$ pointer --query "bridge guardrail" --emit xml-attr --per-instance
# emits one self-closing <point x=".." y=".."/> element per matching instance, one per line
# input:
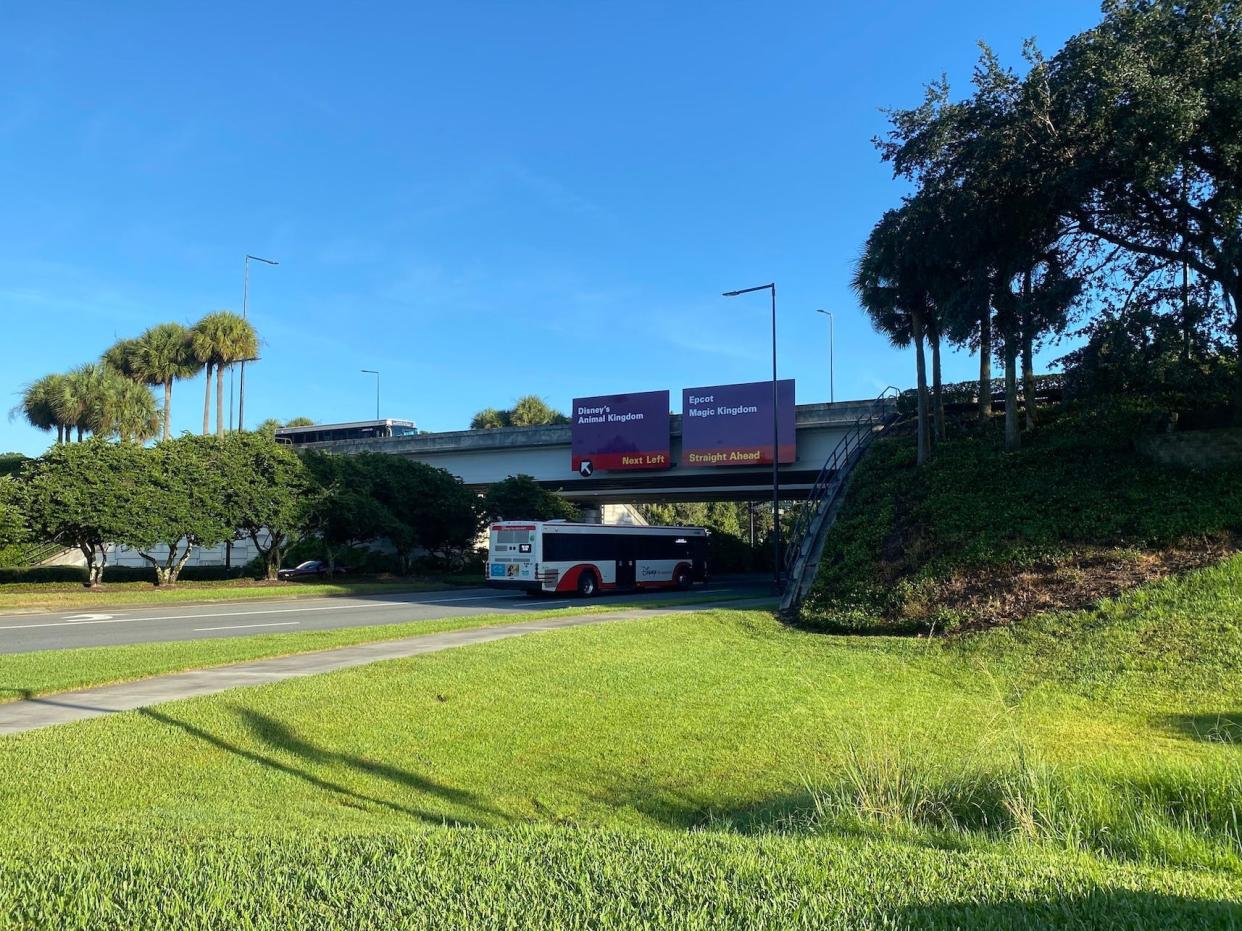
<point x="882" y="412"/>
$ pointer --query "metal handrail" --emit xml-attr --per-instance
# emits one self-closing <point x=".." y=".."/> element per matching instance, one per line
<point x="846" y="447"/>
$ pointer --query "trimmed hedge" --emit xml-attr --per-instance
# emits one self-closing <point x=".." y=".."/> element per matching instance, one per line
<point x="39" y="574"/>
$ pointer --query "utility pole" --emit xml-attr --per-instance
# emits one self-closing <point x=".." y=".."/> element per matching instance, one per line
<point x="776" y="447"/>
<point x="832" y="339"/>
<point x="241" y="392"/>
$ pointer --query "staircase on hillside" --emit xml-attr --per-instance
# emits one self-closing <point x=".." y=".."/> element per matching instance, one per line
<point x="806" y="538"/>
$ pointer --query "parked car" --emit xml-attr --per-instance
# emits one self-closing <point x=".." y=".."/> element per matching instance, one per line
<point x="315" y="567"/>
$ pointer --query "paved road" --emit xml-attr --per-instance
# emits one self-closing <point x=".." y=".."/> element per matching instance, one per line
<point x="21" y="633"/>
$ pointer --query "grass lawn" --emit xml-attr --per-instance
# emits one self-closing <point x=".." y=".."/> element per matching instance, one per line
<point x="59" y="596"/>
<point x="713" y="770"/>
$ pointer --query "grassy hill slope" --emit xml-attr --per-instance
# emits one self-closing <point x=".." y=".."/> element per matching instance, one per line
<point x="980" y="536"/>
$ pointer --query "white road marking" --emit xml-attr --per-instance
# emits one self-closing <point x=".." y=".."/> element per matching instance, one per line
<point x="248" y="626"/>
<point x="357" y="606"/>
<point x="354" y="605"/>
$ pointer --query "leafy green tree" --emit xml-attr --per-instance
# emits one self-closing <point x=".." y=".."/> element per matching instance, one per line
<point x="82" y="495"/>
<point x="994" y="157"/>
<point x="268" y="493"/>
<point x="299" y="422"/>
<point x="218" y="340"/>
<point x="1147" y="108"/>
<point x="183" y="493"/>
<point x="12" y="463"/>
<point x="344" y="513"/>
<point x="430" y="509"/>
<point x="12" y="516"/>
<point x="520" y="497"/>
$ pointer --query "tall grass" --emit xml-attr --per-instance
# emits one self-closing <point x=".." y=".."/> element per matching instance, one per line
<point x="1179" y="814"/>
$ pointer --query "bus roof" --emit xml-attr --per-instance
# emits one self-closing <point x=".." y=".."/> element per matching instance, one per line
<point x="352" y="425"/>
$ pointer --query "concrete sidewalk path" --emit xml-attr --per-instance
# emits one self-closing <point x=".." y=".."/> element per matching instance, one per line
<point x="64" y="707"/>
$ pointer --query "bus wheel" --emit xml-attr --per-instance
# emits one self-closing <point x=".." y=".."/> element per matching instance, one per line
<point x="682" y="579"/>
<point x="588" y="585"/>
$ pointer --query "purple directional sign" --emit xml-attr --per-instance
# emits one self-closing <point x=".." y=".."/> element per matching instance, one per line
<point x="619" y="432"/>
<point x="731" y="425"/>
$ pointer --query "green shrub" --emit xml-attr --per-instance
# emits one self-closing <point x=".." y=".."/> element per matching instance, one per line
<point x="34" y="574"/>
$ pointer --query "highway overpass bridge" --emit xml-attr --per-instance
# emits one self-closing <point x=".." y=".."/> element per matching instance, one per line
<point x="482" y="457"/>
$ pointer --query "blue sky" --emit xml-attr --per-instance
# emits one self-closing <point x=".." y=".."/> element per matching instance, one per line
<point x="478" y="199"/>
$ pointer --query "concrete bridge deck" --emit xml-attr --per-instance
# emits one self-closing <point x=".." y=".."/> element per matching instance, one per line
<point x="482" y="457"/>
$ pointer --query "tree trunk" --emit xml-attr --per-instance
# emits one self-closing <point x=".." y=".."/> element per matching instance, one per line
<point x="920" y="363"/>
<point x="207" y="402"/>
<point x="1234" y="293"/>
<point x="174" y="570"/>
<point x="167" y="406"/>
<point x="94" y="566"/>
<point x="1028" y="352"/>
<point x="79" y="433"/>
<point x="220" y="400"/>
<point x="168" y="571"/>
<point x="1187" y="323"/>
<point x="937" y="393"/>
<point x="1013" y="439"/>
<point x="60" y="433"/>
<point x="271" y="555"/>
<point x="985" y="364"/>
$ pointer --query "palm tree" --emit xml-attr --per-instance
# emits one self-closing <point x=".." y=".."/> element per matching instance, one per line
<point x="534" y="411"/>
<point x="489" y="419"/>
<point x="38" y="405"/>
<point x="891" y="291"/>
<point x="77" y="395"/>
<point x="124" y="408"/>
<point x="158" y="357"/>
<point x="219" y="339"/>
<point x="119" y="357"/>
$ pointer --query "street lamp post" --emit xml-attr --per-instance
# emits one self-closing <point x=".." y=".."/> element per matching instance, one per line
<point x="832" y="340"/>
<point x="377" y="396"/>
<point x="241" y="389"/>
<point x="776" y="448"/>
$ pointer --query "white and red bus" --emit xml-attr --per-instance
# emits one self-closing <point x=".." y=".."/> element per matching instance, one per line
<point x="558" y="556"/>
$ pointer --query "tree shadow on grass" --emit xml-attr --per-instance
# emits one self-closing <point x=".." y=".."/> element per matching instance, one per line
<point x="1223" y="727"/>
<point x="1121" y="909"/>
<point x="280" y="737"/>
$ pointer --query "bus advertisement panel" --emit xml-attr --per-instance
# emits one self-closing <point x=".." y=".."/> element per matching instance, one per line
<point x="618" y="432"/>
<point x="731" y="425"/>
